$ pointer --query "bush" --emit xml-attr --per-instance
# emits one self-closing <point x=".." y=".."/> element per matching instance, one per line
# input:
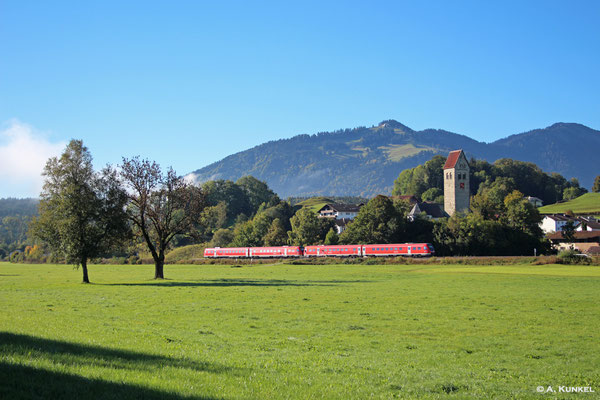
<point x="573" y="257"/>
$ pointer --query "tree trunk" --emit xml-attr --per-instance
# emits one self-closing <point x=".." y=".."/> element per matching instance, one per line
<point x="159" y="264"/>
<point x="85" y="271"/>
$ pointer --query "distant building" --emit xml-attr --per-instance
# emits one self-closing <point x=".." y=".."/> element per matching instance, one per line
<point x="340" y="211"/>
<point x="535" y="201"/>
<point x="342" y="224"/>
<point x="584" y="241"/>
<point x="587" y="224"/>
<point x="456" y="183"/>
<point x="431" y="210"/>
<point x="555" y="223"/>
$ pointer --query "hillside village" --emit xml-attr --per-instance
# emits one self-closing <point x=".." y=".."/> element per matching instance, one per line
<point x="585" y="235"/>
<point x="443" y="201"/>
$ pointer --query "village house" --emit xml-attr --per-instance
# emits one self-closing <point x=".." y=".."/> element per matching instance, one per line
<point x="339" y="211"/>
<point x="343" y="214"/>
<point x="535" y="201"/>
<point x="587" y="224"/>
<point x="556" y="222"/>
<point x="429" y="209"/>
<point x="584" y="241"/>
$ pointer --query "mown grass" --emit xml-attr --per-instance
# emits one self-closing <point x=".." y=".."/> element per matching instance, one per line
<point x="588" y="203"/>
<point x="298" y="331"/>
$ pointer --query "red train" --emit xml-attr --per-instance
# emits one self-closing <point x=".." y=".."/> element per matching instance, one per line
<point x="353" y="250"/>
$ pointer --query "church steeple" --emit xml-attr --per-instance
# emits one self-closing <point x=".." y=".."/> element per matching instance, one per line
<point x="456" y="183"/>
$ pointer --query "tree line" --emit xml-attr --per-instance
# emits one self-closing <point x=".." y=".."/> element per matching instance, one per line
<point x="426" y="181"/>
<point x="86" y="214"/>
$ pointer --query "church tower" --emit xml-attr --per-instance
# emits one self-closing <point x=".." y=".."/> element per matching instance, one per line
<point x="456" y="183"/>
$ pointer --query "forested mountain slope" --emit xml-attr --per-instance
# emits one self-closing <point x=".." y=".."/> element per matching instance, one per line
<point x="365" y="161"/>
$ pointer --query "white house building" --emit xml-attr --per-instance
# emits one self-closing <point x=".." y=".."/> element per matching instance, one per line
<point x="339" y="211"/>
<point x="535" y="201"/>
<point x="556" y="222"/>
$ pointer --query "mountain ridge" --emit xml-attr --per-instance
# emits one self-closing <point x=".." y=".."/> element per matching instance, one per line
<point x="365" y="161"/>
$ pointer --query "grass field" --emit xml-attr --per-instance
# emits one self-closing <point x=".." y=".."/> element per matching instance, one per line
<point x="589" y="203"/>
<point x="299" y="332"/>
<point x="315" y="203"/>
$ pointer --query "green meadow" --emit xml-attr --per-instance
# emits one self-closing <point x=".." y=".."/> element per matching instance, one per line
<point x="589" y="203"/>
<point x="299" y="332"/>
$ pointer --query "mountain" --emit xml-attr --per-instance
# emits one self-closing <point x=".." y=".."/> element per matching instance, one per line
<point x="366" y="161"/>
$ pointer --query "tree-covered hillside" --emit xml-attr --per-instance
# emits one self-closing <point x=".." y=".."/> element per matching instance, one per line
<point x="15" y="215"/>
<point x="366" y="161"/>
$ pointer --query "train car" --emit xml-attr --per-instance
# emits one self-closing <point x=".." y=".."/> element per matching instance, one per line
<point x="277" y="251"/>
<point x="354" y="250"/>
<point x="357" y="250"/>
<point x="226" y="252"/>
<point x="404" y="249"/>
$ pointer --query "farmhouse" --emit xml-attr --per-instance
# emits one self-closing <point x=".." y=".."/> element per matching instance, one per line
<point x="584" y="241"/>
<point x="555" y="223"/>
<point x="431" y="211"/>
<point x="343" y="214"/>
<point x="535" y="201"/>
<point x="339" y="211"/>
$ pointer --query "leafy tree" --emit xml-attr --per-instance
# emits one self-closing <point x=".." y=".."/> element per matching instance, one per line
<point x="306" y="228"/>
<point x="377" y="222"/>
<point x="432" y="194"/>
<point x="573" y="192"/>
<point x="213" y="218"/>
<point x="258" y="192"/>
<point x="489" y="201"/>
<point x="416" y="181"/>
<point x="277" y="235"/>
<point x="232" y="195"/>
<point x="568" y="232"/>
<point x="282" y="211"/>
<point x="161" y="206"/>
<point x="522" y="215"/>
<point x="222" y="238"/>
<point x="469" y="234"/>
<point x="81" y="212"/>
<point x="332" y="237"/>
<point x="596" y="187"/>
<point x="243" y="235"/>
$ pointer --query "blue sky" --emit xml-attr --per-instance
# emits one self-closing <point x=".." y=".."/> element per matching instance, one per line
<point x="188" y="83"/>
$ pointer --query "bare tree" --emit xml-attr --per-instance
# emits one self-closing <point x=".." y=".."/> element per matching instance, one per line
<point x="161" y="206"/>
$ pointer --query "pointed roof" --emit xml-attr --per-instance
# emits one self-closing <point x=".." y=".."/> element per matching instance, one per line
<point x="453" y="158"/>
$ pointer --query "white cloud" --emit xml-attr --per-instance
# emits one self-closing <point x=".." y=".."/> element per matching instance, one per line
<point x="23" y="155"/>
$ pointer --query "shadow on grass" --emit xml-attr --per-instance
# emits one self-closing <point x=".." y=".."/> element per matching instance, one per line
<point x="236" y="282"/>
<point x="23" y="382"/>
<point x="79" y="354"/>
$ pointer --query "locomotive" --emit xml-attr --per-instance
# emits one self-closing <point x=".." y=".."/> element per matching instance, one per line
<point x="353" y="250"/>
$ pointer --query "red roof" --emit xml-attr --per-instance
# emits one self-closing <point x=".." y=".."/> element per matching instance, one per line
<point x="578" y="235"/>
<point x="452" y="159"/>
